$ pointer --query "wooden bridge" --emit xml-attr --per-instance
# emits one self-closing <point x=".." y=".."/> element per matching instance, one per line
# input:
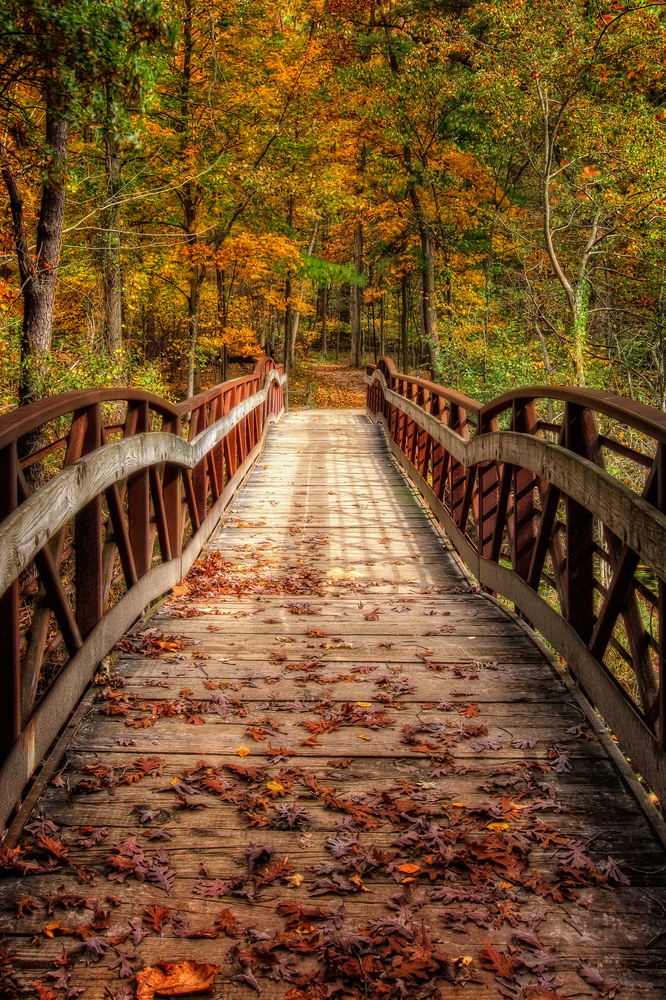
<point x="332" y="762"/>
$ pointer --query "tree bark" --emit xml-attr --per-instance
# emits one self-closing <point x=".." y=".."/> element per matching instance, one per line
<point x="357" y="297"/>
<point x="404" y="334"/>
<point x="113" y="312"/>
<point x="324" y="322"/>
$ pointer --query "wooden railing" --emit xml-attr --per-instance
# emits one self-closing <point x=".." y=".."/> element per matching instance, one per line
<point x="131" y="488"/>
<point x="564" y="517"/>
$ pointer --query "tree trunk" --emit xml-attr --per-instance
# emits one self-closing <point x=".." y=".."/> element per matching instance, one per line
<point x="381" y="327"/>
<point x="324" y="328"/>
<point x="404" y="334"/>
<point x="357" y="297"/>
<point x="193" y="307"/>
<point x="113" y="315"/>
<point x="297" y="313"/>
<point x="428" y="310"/>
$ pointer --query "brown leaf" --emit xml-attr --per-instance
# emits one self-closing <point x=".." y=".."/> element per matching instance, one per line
<point x="175" y="979"/>
<point x="496" y="960"/>
<point x="156" y="916"/>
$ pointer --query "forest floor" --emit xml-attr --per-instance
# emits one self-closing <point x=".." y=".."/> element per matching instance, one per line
<point x="336" y="385"/>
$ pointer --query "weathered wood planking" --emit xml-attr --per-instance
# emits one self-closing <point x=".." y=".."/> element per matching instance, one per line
<point x="225" y="651"/>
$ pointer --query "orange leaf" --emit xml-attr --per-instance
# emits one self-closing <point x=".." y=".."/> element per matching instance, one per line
<point x="242" y="751"/>
<point x="409" y="869"/>
<point x="175" y="979"/>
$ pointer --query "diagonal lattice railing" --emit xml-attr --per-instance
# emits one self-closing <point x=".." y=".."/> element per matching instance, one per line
<point x="565" y="517"/>
<point x="128" y="489"/>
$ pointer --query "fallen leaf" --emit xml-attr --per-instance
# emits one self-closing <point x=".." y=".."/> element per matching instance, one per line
<point x="175" y="979"/>
<point x="242" y="751"/>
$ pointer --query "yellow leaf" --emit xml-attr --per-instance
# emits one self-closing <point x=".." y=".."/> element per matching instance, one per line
<point x="294" y="881"/>
<point x="275" y="786"/>
<point x="242" y="751"/>
<point x="363" y="704"/>
<point x="497" y="826"/>
<point x="362" y="736"/>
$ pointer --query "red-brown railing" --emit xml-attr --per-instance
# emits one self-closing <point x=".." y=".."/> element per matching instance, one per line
<point x="132" y="488"/>
<point x="565" y="517"/>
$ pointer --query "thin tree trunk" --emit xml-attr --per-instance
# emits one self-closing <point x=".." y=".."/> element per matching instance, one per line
<point x="324" y="327"/>
<point x="38" y="274"/>
<point x="381" y="327"/>
<point x="404" y="333"/>
<point x="297" y="313"/>
<point x="113" y="309"/>
<point x="357" y="297"/>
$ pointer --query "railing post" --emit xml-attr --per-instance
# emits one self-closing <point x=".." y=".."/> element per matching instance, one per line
<point x="579" y="573"/>
<point x="198" y="424"/>
<point x="10" y="675"/>
<point x="171" y="492"/>
<point x="457" y="482"/>
<point x="138" y="501"/>
<point x="524" y="484"/>
<point x="661" y="504"/>
<point x="88" y="541"/>
<point x="488" y="495"/>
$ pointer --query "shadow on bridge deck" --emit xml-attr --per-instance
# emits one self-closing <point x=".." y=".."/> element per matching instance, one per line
<point x="331" y="767"/>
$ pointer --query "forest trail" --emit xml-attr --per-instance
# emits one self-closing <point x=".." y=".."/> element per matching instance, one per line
<point x="338" y="384"/>
<point x="329" y="763"/>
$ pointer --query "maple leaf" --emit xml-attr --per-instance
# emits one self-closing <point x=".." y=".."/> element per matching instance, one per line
<point x="493" y="959"/>
<point x="156" y="916"/>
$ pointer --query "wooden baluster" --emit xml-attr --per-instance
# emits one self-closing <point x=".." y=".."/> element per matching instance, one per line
<point x="171" y="493"/>
<point x="138" y="499"/>
<point x="424" y="439"/>
<point x="200" y="472"/>
<point x="230" y="454"/>
<point x="88" y="541"/>
<point x="215" y="455"/>
<point x="579" y="573"/>
<point x="661" y="504"/>
<point x="457" y="478"/>
<point x="439" y="455"/>
<point x="488" y="494"/>
<point x="524" y="499"/>
<point x="416" y="395"/>
<point x="10" y="675"/>
<point x="41" y="614"/>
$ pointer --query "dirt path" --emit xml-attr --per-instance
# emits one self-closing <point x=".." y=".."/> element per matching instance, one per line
<point x="337" y="385"/>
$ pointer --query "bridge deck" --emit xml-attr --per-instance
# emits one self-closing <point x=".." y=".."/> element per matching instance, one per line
<point x="422" y="776"/>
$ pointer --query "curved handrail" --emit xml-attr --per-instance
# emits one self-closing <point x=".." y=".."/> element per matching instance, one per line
<point x="547" y="525"/>
<point x="115" y="527"/>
